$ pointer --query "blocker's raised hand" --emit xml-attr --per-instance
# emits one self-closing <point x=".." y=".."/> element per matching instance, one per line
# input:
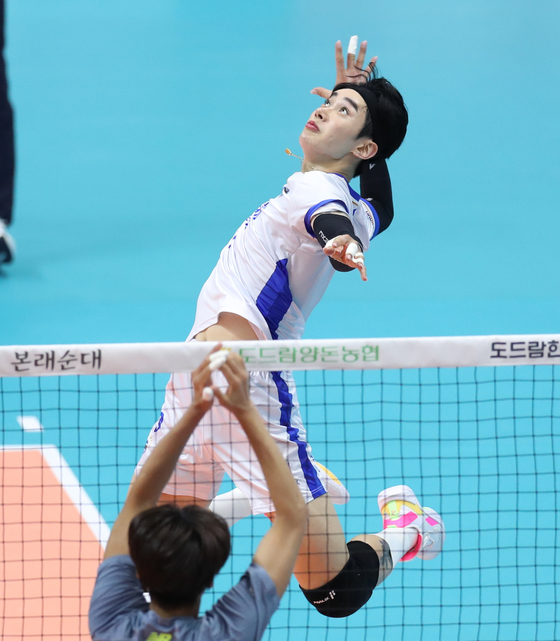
<point x="236" y="399"/>
<point x="353" y="71"/>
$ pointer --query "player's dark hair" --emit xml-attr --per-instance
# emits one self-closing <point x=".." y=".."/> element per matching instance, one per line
<point x="178" y="552"/>
<point x="388" y="124"/>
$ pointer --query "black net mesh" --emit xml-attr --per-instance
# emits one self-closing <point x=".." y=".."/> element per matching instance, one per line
<point x="479" y="445"/>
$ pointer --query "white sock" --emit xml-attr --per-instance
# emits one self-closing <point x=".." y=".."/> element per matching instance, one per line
<point x="232" y="506"/>
<point x="400" y="541"/>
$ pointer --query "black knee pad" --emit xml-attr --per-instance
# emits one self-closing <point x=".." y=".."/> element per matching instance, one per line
<point x="351" y="587"/>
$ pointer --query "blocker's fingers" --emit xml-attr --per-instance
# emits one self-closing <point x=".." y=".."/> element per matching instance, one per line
<point x="212" y="353"/>
<point x="351" y="251"/>
<point x="232" y="377"/>
<point x="223" y="351"/>
<point x="218" y="362"/>
<point x="207" y="393"/>
<point x="236" y="363"/>
<point x="220" y="358"/>
<point x="217" y="347"/>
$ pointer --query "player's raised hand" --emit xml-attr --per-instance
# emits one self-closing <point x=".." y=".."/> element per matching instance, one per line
<point x="354" y="70"/>
<point x="236" y="399"/>
<point x="346" y="250"/>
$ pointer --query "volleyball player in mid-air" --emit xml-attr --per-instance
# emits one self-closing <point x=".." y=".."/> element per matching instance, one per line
<point x="268" y="279"/>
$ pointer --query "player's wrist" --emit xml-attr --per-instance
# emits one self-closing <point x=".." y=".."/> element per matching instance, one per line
<point x="197" y="409"/>
<point x="247" y="412"/>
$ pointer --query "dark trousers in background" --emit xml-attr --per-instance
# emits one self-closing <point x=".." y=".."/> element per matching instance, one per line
<point x="6" y="136"/>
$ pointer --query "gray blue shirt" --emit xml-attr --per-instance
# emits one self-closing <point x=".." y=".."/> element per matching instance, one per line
<point x="119" y="612"/>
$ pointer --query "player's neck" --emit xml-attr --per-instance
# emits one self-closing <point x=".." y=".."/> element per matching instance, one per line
<point x="184" y="611"/>
<point x="329" y="166"/>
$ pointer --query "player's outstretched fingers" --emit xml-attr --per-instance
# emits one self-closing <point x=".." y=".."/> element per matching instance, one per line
<point x="335" y="247"/>
<point x="322" y="92"/>
<point x="352" y="48"/>
<point x="351" y="251"/>
<point x="339" y="62"/>
<point x="372" y="63"/>
<point x="360" y="265"/>
<point x="361" y="55"/>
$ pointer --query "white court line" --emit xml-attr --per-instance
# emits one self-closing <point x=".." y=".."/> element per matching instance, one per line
<point x="29" y="423"/>
<point x="75" y="492"/>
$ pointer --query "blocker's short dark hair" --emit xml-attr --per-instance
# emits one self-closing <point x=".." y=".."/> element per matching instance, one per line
<point x="178" y="552"/>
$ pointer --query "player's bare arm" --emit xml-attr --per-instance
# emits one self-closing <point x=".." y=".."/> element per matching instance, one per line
<point x="147" y="487"/>
<point x="278" y="550"/>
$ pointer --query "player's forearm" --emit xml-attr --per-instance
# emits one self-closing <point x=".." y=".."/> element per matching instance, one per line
<point x="375" y="186"/>
<point x="288" y="502"/>
<point x="375" y="182"/>
<point x="153" y="477"/>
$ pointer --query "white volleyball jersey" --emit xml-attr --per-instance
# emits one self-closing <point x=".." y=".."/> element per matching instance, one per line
<point x="273" y="271"/>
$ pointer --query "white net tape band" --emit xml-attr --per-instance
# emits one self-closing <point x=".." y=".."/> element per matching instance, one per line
<point x="357" y="354"/>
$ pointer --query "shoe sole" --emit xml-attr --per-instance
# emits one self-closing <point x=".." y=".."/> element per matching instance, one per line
<point x="427" y="554"/>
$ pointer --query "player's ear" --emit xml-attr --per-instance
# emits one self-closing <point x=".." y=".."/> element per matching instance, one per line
<point x="366" y="150"/>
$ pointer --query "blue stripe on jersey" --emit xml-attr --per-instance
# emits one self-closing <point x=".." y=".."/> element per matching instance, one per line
<point x="375" y="216"/>
<point x="275" y="298"/>
<point x="310" y="473"/>
<point x="353" y="192"/>
<point x="312" y="210"/>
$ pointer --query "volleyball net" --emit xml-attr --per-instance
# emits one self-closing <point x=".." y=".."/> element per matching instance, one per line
<point x="472" y="424"/>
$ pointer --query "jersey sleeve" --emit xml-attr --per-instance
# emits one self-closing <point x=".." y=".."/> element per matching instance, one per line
<point x="312" y="193"/>
<point x="117" y="592"/>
